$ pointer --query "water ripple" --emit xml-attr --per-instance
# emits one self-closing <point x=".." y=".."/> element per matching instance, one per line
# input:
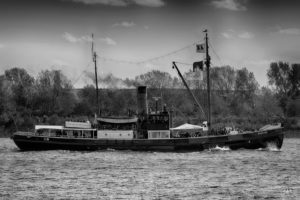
<point x="214" y="174"/>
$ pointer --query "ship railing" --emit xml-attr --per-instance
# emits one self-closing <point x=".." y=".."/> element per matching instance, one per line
<point x="25" y="133"/>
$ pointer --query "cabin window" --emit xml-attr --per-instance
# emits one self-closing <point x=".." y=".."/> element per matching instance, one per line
<point x="76" y="134"/>
<point x="159" y="134"/>
<point x="87" y="134"/>
<point x="68" y="133"/>
<point x="64" y="133"/>
<point x="115" y="126"/>
<point x="164" y="134"/>
<point x="155" y="134"/>
<point x="43" y="132"/>
<point x="58" y="133"/>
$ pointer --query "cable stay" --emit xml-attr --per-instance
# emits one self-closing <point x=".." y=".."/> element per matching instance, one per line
<point x="218" y="57"/>
<point x="188" y="89"/>
<point x="82" y="72"/>
<point x="148" y="60"/>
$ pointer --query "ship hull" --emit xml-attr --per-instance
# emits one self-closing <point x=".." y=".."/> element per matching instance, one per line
<point x="253" y="140"/>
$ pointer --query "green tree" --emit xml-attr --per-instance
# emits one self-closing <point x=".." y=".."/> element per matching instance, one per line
<point x="86" y="104"/>
<point x="286" y="80"/>
<point x="294" y="77"/>
<point x="223" y="79"/>
<point x="244" y="92"/>
<point x="5" y="100"/>
<point x="54" y="93"/>
<point x="279" y="75"/>
<point x="222" y="85"/>
<point x="245" y="85"/>
<point x="266" y="106"/>
<point x="155" y="79"/>
<point x="21" y="84"/>
<point x="17" y="89"/>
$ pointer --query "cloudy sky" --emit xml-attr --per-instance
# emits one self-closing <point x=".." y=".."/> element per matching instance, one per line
<point x="135" y="36"/>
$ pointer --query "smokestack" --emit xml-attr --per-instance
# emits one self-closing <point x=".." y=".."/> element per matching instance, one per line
<point x="142" y="105"/>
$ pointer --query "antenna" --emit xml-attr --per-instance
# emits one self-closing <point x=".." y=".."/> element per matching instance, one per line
<point x="94" y="56"/>
<point x="92" y="46"/>
<point x="207" y="62"/>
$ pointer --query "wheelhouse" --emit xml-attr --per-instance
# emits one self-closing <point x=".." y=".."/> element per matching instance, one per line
<point x="116" y="128"/>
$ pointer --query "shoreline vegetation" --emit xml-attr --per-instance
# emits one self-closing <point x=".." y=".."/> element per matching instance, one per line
<point x="237" y="99"/>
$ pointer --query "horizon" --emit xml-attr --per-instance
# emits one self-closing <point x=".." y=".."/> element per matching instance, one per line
<point x="133" y="37"/>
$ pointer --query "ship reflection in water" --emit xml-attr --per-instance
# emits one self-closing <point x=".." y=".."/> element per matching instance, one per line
<point x="217" y="173"/>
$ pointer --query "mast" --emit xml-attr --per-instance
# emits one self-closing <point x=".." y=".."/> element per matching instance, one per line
<point x="94" y="55"/>
<point x="207" y="62"/>
<point x="188" y="89"/>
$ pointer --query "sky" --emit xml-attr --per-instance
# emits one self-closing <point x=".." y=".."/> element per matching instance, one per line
<point x="132" y="37"/>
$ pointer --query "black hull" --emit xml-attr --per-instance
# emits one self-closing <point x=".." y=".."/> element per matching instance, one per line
<point x="253" y="140"/>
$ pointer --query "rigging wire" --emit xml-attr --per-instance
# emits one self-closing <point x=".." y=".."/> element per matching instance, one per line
<point x="83" y="71"/>
<point x="182" y="63"/>
<point x="148" y="60"/>
<point x="218" y="57"/>
<point x="169" y="54"/>
<point x="107" y="59"/>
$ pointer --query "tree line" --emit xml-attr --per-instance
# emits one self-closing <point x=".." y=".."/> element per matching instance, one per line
<point x="236" y="97"/>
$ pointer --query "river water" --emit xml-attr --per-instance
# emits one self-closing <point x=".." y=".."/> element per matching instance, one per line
<point x="213" y="174"/>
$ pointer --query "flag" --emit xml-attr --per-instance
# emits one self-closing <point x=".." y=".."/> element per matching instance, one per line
<point x="200" y="48"/>
<point x="198" y="66"/>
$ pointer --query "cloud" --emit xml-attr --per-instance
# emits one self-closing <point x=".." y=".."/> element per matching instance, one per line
<point x="234" y="5"/>
<point x="147" y="3"/>
<point x="104" y="2"/>
<point x="109" y="81"/>
<point x="108" y="41"/>
<point x="146" y="27"/>
<point x="258" y="63"/>
<point x="227" y="35"/>
<point x="290" y="31"/>
<point x="60" y="62"/>
<point x="2" y="46"/>
<point x="71" y="38"/>
<point x="246" y="35"/>
<point x="230" y="34"/>
<point x="86" y="38"/>
<point x="124" y="24"/>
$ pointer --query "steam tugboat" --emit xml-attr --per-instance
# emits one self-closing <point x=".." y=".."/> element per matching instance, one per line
<point x="144" y="132"/>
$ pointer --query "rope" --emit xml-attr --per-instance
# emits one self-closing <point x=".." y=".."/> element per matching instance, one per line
<point x="83" y="71"/>
<point x="148" y="60"/>
<point x="218" y="57"/>
<point x="187" y="64"/>
<point x="107" y="59"/>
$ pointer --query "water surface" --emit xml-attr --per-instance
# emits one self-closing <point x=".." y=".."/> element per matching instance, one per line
<point x="212" y="174"/>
